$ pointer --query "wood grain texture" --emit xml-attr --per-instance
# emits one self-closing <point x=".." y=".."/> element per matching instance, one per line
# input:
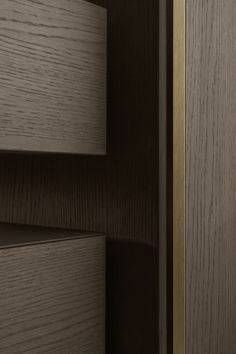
<point x="52" y="76"/>
<point x="211" y="177"/>
<point x="116" y="194"/>
<point x="52" y="298"/>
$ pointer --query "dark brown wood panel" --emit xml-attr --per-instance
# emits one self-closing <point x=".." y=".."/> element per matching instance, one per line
<point x="52" y="297"/>
<point x="14" y="235"/>
<point x="133" y="328"/>
<point x="211" y="177"/>
<point x="99" y="2"/>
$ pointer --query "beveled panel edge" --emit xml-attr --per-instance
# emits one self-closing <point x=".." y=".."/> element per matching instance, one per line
<point x="179" y="166"/>
<point x="22" y="235"/>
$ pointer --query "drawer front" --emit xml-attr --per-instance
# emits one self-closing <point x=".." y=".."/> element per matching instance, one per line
<point x="52" y="297"/>
<point x="52" y="76"/>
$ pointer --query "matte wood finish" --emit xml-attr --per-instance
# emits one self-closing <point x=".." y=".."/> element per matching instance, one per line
<point x="211" y="177"/>
<point x="52" y="76"/>
<point x="12" y="235"/>
<point x="52" y="297"/>
<point x="117" y="194"/>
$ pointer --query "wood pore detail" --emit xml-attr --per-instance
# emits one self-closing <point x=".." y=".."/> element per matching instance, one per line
<point x="52" y="298"/>
<point x="116" y="194"/>
<point x="52" y="76"/>
<point x="211" y="176"/>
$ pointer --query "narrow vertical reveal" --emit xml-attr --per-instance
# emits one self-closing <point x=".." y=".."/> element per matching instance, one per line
<point x="179" y="176"/>
<point x="162" y="140"/>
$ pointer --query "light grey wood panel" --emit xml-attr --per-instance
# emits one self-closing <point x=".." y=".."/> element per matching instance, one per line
<point x="52" y="297"/>
<point x="211" y="177"/>
<point x="52" y="76"/>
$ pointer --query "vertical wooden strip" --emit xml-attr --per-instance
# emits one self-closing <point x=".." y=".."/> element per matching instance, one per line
<point x="179" y="177"/>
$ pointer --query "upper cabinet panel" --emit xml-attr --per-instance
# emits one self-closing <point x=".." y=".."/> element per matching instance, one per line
<point x="52" y="76"/>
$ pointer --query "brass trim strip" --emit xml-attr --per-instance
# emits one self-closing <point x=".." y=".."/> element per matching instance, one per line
<point x="179" y="177"/>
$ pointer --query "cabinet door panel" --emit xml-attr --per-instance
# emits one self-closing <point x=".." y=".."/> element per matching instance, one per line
<point x="52" y="297"/>
<point x="211" y="177"/>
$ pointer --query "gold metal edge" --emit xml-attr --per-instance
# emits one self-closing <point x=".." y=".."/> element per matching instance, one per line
<point x="179" y="325"/>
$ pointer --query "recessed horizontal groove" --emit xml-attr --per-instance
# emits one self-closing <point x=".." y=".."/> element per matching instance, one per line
<point x="14" y="235"/>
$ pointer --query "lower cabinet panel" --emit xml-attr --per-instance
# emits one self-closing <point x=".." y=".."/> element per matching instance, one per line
<point x="52" y="297"/>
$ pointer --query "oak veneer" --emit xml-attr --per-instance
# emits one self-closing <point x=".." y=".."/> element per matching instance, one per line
<point x="211" y="177"/>
<point x="120" y="191"/>
<point x="52" y="291"/>
<point x="52" y="76"/>
<point x="116" y="194"/>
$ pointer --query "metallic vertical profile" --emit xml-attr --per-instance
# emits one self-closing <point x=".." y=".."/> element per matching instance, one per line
<point x="179" y="177"/>
<point x="162" y="243"/>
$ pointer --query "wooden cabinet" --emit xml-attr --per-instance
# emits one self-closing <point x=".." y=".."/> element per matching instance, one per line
<point x="53" y="77"/>
<point x="165" y="193"/>
<point x="52" y="293"/>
